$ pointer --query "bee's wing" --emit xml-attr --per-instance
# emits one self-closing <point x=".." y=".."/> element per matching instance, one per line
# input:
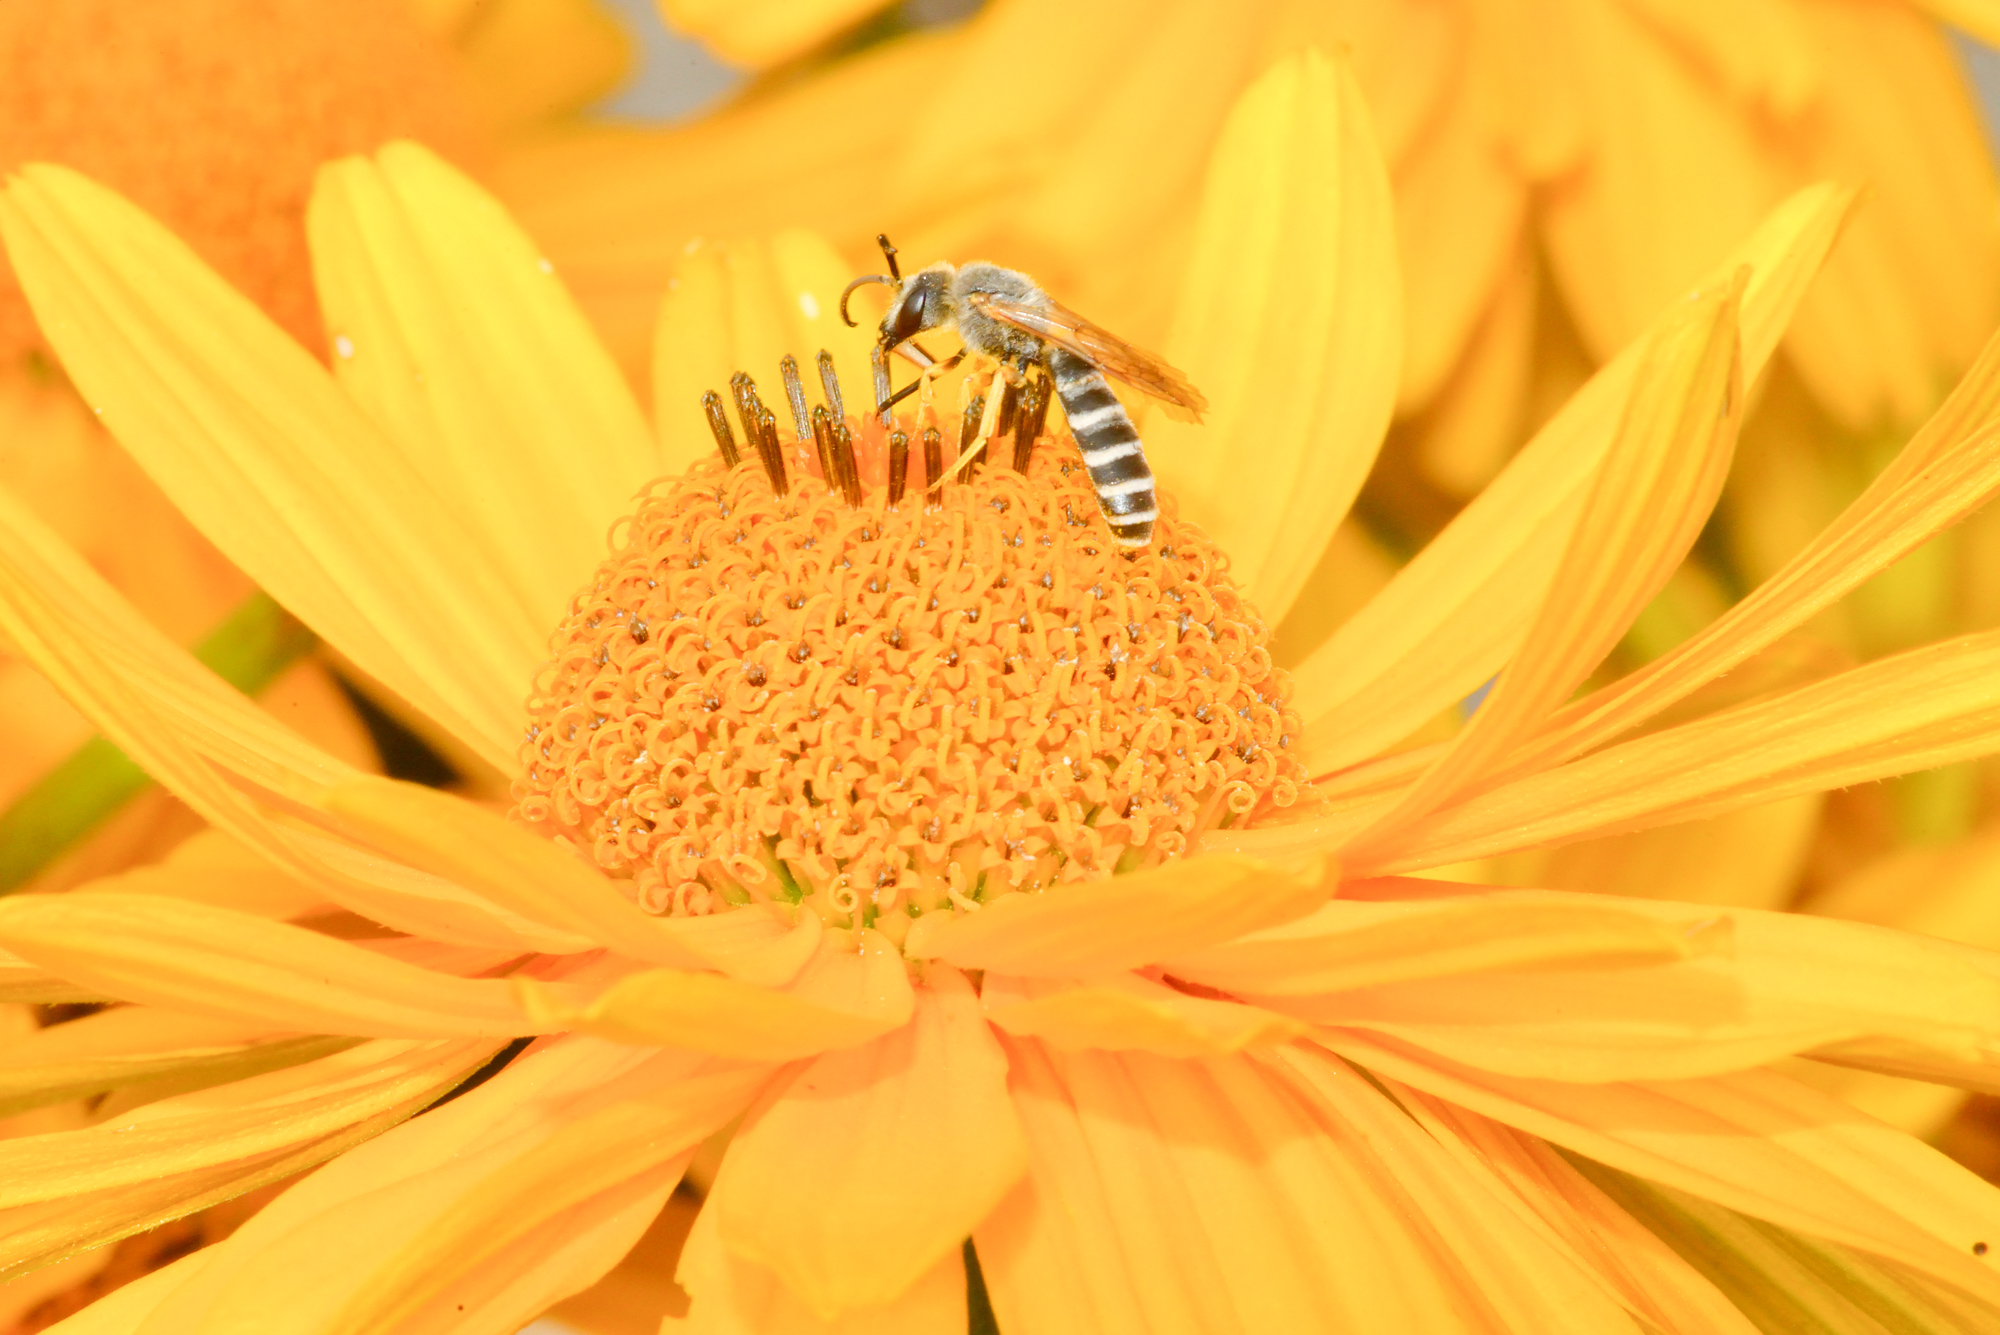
<point x="1102" y="349"/>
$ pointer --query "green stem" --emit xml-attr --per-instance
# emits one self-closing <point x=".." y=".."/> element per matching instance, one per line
<point x="256" y="642"/>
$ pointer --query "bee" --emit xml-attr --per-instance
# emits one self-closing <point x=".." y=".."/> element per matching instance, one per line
<point x="1003" y="315"/>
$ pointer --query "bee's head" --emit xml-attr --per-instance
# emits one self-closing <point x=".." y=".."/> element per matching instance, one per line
<point x="922" y="301"/>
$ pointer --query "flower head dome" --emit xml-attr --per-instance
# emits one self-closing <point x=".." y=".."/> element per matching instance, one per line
<point x="1266" y="1081"/>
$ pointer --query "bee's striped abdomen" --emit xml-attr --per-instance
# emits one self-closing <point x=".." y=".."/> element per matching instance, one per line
<point x="1112" y="453"/>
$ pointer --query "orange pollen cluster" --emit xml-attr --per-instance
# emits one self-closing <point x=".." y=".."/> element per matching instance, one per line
<point x="890" y="707"/>
<point x="213" y="116"/>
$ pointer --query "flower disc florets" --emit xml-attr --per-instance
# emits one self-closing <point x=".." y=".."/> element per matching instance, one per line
<point x="885" y="709"/>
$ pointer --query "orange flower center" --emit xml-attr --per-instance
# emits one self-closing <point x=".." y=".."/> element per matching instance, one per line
<point x="888" y="704"/>
<point x="213" y="115"/>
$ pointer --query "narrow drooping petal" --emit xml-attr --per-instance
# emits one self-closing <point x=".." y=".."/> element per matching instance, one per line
<point x="1168" y="1196"/>
<point x="234" y="966"/>
<point x="1642" y="511"/>
<point x="1126" y="1012"/>
<point x="1455" y="613"/>
<point x="255" y="443"/>
<point x="521" y="1192"/>
<point x="126" y="1045"/>
<point x="760" y="33"/>
<point x="1916" y="711"/>
<point x="460" y="343"/>
<point x="1106" y="926"/>
<point x="1353" y="943"/>
<point x="1755" y="1142"/>
<point x="1769" y="985"/>
<point x="73" y="1189"/>
<point x="873" y="1165"/>
<point x="1948" y="469"/>
<point x="843" y="999"/>
<point x="1290" y="321"/>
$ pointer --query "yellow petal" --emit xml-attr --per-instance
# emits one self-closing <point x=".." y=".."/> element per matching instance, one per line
<point x="842" y="1000"/>
<point x="616" y="1159"/>
<point x="1910" y="293"/>
<point x="252" y="440"/>
<point x="336" y="1245"/>
<point x="1290" y="321"/>
<point x="529" y="61"/>
<point x="550" y="884"/>
<point x="1642" y="512"/>
<point x="1981" y="18"/>
<point x="1454" y="614"/>
<point x="1948" y="469"/>
<point x="1459" y="219"/>
<point x="459" y="342"/>
<point x="212" y="961"/>
<point x="1125" y="1012"/>
<point x="1770" y="985"/>
<point x="872" y="1166"/>
<point x="731" y="1296"/>
<point x="1349" y="943"/>
<point x="1674" y="175"/>
<point x="1183" y="1197"/>
<point x="1479" y="414"/>
<point x="74" y="1189"/>
<point x="1762" y="50"/>
<point x="1652" y="1281"/>
<point x="1122" y="922"/>
<point x="125" y="1309"/>
<point x="1915" y="711"/>
<point x="1755" y="1142"/>
<point x="742" y="306"/>
<point x="127" y="1044"/>
<point x="762" y="33"/>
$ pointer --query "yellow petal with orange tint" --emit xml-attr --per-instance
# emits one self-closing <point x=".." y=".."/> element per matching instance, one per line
<point x="1106" y="926"/>
<point x="610" y="1158"/>
<point x="212" y="961"/>
<point x="1290" y="321"/>
<point x="1348" y="943"/>
<point x="842" y="1000"/>
<point x="1981" y="18"/>
<point x="1754" y="1141"/>
<point x="125" y="1309"/>
<point x="460" y="343"/>
<point x="1125" y="1012"/>
<point x="1206" y="1198"/>
<point x="761" y="33"/>
<point x="1915" y="711"/>
<point x="1660" y="478"/>
<point x="731" y="1296"/>
<point x="872" y="1166"/>
<point x="742" y="306"/>
<point x="530" y="62"/>
<point x="251" y="439"/>
<point x="1455" y="613"/>
<point x="337" y="1240"/>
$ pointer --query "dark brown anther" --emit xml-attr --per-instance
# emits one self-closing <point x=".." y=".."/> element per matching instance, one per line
<point x="768" y="452"/>
<point x="748" y="406"/>
<point x="878" y="361"/>
<point x="933" y="458"/>
<point x="843" y="458"/>
<point x="968" y="431"/>
<point x="795" y="393"/>
<point x="822" y="429"/>
<point x="1010" y="400"/>
<point x="899" y="465"/>
<point x="1028" y="421"/>
<point x="718" y="422"/>
<point x="829" y="381"/>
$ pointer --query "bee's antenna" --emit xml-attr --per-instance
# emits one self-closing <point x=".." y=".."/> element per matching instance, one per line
<point x="863" y="281"/>
<point x="889" y="254"/>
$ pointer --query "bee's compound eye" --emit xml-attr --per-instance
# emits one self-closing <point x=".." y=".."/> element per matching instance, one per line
<point x="907" y="318"/>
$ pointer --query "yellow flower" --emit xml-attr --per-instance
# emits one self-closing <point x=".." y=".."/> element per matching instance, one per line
<point x="1262" y="1079"/>
<point x="214" y="115"/>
